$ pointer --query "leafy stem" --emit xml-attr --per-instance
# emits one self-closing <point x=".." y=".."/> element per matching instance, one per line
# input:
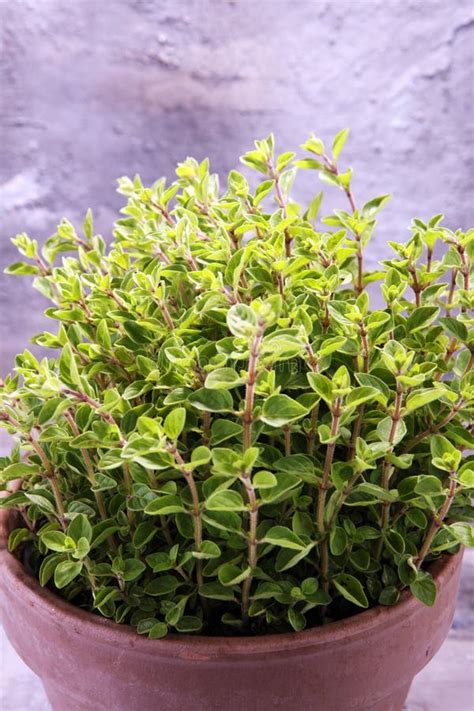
<point x="336" y="413"/>
<point x="247" y="418"/>
<point x="437" y="520"/>
<point x="197" y="519"/>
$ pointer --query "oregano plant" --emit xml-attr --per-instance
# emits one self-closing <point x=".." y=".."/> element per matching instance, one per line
<point x="238" y="428"/>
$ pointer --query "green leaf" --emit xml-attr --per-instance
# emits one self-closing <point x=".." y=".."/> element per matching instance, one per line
<point x="189" y="624"/>
<point x="264" y="480"/>
<point x="462" y="532"/>
<point x="284" y="537"/>
<point x="455" y="328"/>
<point x="422" y="397"/>
<point x="389" y="596"/>
<point x="221" y="430"/>
<point x="80" y="527"/>
<point x="287" y="558"/>
<point x="444" y="454"/>
<point x="296" y="619"/>
<point x="230" y="574"/>
<point x="132" y="569"/>
<point x="373" y="381"/>
<point x="371" y="208"/>
<point x="338" y="540"/>
<point x="17" y="537"/>
<point x="165" y="505"/>
<point x="174" y="423"/>
<point x="322" y="385"/>
<point x="424" y="589"/>
<point x="417" y="518"/>
<point x="279" y="410"/>
<point x="216" y="591"/>
<point x="407" y="570"/>
<point x="208" y="550"/>
<point x="48" y="567"/>
<point x="68" y="371"/>
<point x="384" y="429"/>
<point x="421" y="318"/>
<point x="58" y="541"/>
<point x="242" y="321"/>
<point x="65" y="573"/>
<point x="164" y="585"/>
<point x="466" y="477"/>
<point x="21" y="268"/>
<point x="363" y="394"/>
<point x="227" y="500"/>
<point x="158" y="630"/>
<point x="211" y="400"/>
<point x="143" y="534"/>
<point x="223" y="379"/>
<point x="19" y="470"/>
<point x="339" y="142"/>
<point x="351" y="589"/>
<point x="199" y="456"/>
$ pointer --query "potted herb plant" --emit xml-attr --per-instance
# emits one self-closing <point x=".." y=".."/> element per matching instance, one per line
<point x="234" y="454"/>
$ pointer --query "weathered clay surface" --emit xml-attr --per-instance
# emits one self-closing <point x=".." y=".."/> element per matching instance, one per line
<point x="93" y="90"/>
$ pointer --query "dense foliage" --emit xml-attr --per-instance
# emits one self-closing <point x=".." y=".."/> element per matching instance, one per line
<point x="230" y="437"/>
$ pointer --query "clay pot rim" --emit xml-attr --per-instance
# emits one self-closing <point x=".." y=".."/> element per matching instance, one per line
<point x="104" y="631"/>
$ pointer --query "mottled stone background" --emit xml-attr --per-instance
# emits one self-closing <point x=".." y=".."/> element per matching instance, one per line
<point x="93" y="89"/>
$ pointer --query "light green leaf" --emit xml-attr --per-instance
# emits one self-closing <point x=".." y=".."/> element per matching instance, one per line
<point x="351" y="589"/>
<point x="65" y="573"/>
<point x="284" y="537"/>
<point x="230" y="574"/>
<point x="424" y="589"/>
<point x="174" y="423"/>
<point x="223" y="379"/>
<point x="211" y="400"/>
<point x="242" y="321"/>
<point x="279" y="410"/>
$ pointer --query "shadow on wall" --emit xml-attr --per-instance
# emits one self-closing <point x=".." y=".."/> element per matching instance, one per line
<point x="92" y="92"/>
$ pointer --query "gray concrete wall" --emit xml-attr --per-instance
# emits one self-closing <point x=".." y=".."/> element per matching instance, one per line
<point x="93" y="89"/>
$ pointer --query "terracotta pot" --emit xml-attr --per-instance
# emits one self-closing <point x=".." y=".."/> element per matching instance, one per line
<point x="364" y="663"/>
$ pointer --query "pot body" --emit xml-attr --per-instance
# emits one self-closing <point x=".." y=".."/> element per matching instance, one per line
<point x="364" y="663"/>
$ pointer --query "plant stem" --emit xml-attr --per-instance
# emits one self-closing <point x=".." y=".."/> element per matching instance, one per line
<point x="323" y="487"/>
<point x="287" y="437"/>
<point x="415" y="285"/>
<point x="127" y="480"/>
<point x="166" y="314"/>
<point x="360" y="411"/>
<point x="359" y="284"/>
<point x="449" y="300"/>
<point x="451" y="349"/>
<point x="311" y="436"/>
<point x="49" y="470"/>
<point x="429" y="259"/>
<point x="434" y="428"/>
<point x="464" y="271"/>
<point x="88" y="464"/>
<point x="247" y="418"/>
<point x="437" y="521"/>
<point x="82" y="397"/>
<point x="196" y="507"/>
<point x="252" y="541"/>
<point x="387" y="467"/>
<point x="52" y="478"/>
<point x="343" y="496"/>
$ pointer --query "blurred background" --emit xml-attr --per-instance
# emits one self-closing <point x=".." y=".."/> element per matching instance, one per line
<point x="92" y="90"/>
